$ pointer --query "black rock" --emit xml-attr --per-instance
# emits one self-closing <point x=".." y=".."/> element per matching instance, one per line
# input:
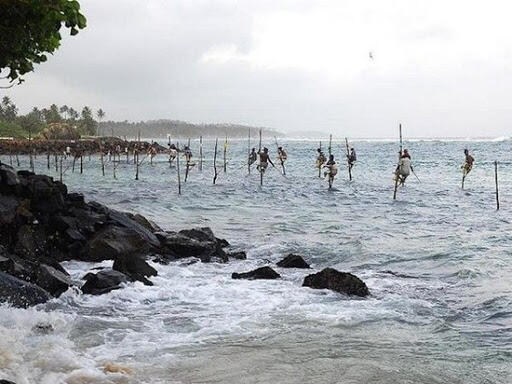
<point x="199" y="234"/>
<point x="123" y="220"/>
<point x="112" y="242"/>
<point x="293" y="261"/>
<point x="134" y="267"/>
<point x="8" y="206"/>
<point x="343" y="282"/>
<point x="103" y="282"/>
<point x="51" y="280"/>
<point x="240" y="255"/>
<point x="20" y="293"/>
<point x="6" y="382"/>
<point x="259" y="273"/>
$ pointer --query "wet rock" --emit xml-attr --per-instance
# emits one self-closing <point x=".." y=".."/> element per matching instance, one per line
<point x="181" y="246"/>
<point x="9" y="180"/>
<point x="52" y="280"/>
<point x="259" y="273"/>
<point x="199" y="234"/>
<point x="293" y="261"/>
<point x="240" y="255"/>
<point x="123" y="220"/>
<point x="31" y="242"/>
<point x="20" y="293"/>
<point x="6" y="382"/>
<point x="134" y="267"/>
<point x="343" y="282"/>
<point x="8" y="209"/>
<point x="42" y="329"/>
<point x="112" y="242"/>
<point x="103" y="282"/>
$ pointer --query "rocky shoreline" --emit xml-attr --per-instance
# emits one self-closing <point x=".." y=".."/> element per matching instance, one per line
<point x="42" y="225"/>
<point x="83" y="146"/>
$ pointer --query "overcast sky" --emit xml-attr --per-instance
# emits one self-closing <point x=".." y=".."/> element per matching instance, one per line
<point x="441" y="68"/>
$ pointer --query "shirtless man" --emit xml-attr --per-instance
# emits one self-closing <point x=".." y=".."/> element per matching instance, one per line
<point x="320" y="160"/>
<point x="332" y="169"/>
<point x="281" y="155"/>
<point x="252" y="156"/>
<point x="404" y="167"/>
<point x="468" y="164"/>
<point x="264" y="160"/>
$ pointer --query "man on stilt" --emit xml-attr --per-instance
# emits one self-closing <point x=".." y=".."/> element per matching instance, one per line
<point x="331" y="170"/>
<point x="467" y="166"/>
<point x="320" y="159"/>
<point x="404" y="168"/>
<point x="264" y="160"/>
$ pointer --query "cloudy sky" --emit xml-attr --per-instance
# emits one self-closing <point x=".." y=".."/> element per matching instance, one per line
<point x="441" y="68"/>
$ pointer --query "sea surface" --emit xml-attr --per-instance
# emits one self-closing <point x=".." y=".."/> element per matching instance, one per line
<point x="437" y="261"/>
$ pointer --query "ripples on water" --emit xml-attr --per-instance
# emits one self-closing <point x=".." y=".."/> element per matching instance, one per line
<point x="436" y="262"/>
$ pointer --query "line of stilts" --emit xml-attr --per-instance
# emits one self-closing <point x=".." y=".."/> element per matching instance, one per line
<point x="59" y="162"/>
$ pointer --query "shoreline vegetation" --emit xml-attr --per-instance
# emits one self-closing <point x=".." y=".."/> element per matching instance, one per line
<point x="66" y="123"/>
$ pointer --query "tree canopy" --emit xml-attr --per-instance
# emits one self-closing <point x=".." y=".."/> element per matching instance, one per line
<point x="30" y="29"/>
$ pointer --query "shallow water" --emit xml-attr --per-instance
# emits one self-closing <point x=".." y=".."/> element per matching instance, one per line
<point x="436" y="260"/>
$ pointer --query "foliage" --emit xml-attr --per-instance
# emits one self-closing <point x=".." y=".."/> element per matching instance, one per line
<point x="11" y="130"/>
<point x="51" y="122"/>
<point x="8" y="110"/>
<point x="30" y="29"/>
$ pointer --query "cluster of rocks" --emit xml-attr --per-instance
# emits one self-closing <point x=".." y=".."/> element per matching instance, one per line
<point x="42" y="225"/>
<point x="84" y="146"/>
<point x="327" y="278"/>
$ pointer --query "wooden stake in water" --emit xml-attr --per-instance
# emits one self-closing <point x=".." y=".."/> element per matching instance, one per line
<point x="398" y="166"/>
<point x="249" y="152"/>
<point x="348" y="161"/>
<point x="496" y="181"/>
<point x="215" y="162"/>
<point x="320" y="165"/>
<point x="60" y="175"/>
<point x="81" y="163"/>
<point x="178" y="168"/>
<point x="200" y="153"/>
<point x="225" y="154"/>
<point x="259" y="148"/>
<point x="330" y="145"/>
<point x="136" y="164"/>
<point x="47" y="160"/>
<point x="102" y="161"/>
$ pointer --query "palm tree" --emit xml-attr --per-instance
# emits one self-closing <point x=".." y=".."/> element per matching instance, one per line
<point x="101" y="114"/>
<point x="64" y="110"/>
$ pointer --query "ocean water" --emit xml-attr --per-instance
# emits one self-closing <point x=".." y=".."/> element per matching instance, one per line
<point x="438" y="263"/>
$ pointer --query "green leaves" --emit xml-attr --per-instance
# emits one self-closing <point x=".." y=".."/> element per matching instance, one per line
<point x="29" y="30"/>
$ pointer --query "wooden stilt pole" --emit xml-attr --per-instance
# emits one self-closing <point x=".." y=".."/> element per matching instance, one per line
<point x="73" y="168"/>
<point x="398" y="166"/>
<point x="225" y="154"/>
<point x="215" y="162"/>
<point x="17" y="159"/>
<point x="330" y="145"/>
<point x="320" y="165"/>
<point x="348" y="161"/>
<point x="81" y="164"/>
<point x="496" y="181"/>
<point x="178" y="168"/>
<point x="259" y="167"/>
<point x="47" y="160"/>
<point x="56" y="163"/>
<point x="102" y="161"/>
<point x="200" y="153"/>
<point x="136" y="164"/>
<point x="60" y="175"/>
<point x="249" y="152"/>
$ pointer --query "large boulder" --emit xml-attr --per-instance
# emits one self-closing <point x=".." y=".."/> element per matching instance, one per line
<point x="20" y="293"/>
<point x="9" y="180"/>
<point x="103" y="282"/>
<point x="123" y="220"/>
<point x="52" y="280"/>
<point x="259" y="273"/>
<point x="343" y="282"/>
<point x="134" y="267"/>
<point x="293" y="261"/>
<point x="8" y="208"/>
<point x="46" y="196"/>
<point x="112" y="242"/>
<point x="239" y="255"/>
<point x="188" y="244"/>
<point x="32" y="242"/>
